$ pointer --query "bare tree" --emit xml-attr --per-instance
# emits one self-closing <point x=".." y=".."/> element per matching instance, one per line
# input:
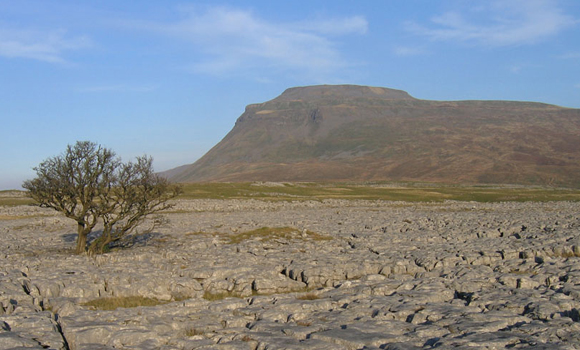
<point x="88" y="183"/>
<point x="138" y="192"/>
<point x="73" y="184"/>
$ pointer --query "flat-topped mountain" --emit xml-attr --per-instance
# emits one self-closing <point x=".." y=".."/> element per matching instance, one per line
<point x="360" y="133"/>
<point x="320" y="92"/>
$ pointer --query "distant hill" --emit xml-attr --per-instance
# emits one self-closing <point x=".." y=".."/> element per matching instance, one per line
<point x="360" y="133"/>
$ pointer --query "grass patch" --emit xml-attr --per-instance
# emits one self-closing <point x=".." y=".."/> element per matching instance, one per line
<point x="522" y="272"/>
<point x="247" y="338"/>
<point x="564" y="254"/>
<point x="308" y="296"/>
<point x="13" y="217"/>
<point x="114" y="303"/>
<point x="266" y="234"/>
<point x="13" y="202"/>
<point x="201" y="233"/>
<point x="31" y="216"/>
<point x="14" y="198"/>
<point x="408" y="192"/>
<point x="221" y="296"/>
<point x="192" y="332"/>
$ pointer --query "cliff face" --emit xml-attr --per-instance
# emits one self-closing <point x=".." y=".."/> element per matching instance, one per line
<point x="359" y="133"/>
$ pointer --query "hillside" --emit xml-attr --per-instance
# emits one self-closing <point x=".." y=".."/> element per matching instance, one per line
<point x="359" y="133"/>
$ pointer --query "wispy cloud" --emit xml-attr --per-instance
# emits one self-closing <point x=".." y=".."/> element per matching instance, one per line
<point x="227" y="40"/>
<point x="39" y="45"/>
<point x="498" y="23"/>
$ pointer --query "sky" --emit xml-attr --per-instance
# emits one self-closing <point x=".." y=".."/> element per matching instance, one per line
<point x="169" y="78"/>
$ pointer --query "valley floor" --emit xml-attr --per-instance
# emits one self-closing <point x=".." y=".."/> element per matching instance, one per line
<point x="350" y="274"/>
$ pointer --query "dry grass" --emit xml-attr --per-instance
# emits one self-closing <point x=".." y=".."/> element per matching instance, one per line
<point x="114" y="303"/>
<point x="308" y="296"/>
<point x="13" y="198"/>
<point x="220" y="296"/>
<point x="21" y="217"/>
<point x="564" y="254"/>
<point x="265" y="234"/>
<point x="12" y="202"/>
<point x="201" y="233"/>
<point x="390" y="191"/>
<point x="192" y="332"/>
<point x="522" y="272"/>
<point x="247" y="338"/>
<point x="14" y="217"/>
<point x="42" y="225"/>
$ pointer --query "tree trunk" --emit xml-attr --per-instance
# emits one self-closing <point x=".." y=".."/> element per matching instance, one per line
<point x="99" y="245"/>
<point x="81" y="239"/>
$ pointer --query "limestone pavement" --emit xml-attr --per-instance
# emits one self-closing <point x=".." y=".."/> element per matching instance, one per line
<point x="353" y="275"/>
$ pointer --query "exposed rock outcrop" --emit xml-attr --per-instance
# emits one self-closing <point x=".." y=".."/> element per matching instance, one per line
<point x="377" y="275"/>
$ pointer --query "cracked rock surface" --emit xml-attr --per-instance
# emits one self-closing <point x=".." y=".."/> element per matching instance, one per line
<point x="352" y="275"/>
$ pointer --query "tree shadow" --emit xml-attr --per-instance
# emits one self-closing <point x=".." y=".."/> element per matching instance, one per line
<point x="130" y="241"/>
<point x="72" y="237"/>
<point x="136" y="240"/>
<point x="93" y="235"/>
<point x="69" y="237"/>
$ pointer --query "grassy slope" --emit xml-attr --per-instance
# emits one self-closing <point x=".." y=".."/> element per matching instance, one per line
<point x="379" y="191"/>
<point x="370" y="139"/>
<point x="389" y="191"/>
<point x="13" y="198"/>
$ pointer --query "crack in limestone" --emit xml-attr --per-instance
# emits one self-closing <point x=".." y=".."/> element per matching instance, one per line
<point x="35" y="301"/>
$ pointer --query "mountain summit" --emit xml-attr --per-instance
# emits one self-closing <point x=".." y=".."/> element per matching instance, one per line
<point x="361" y="133"/>
<point x="319" y="92"/>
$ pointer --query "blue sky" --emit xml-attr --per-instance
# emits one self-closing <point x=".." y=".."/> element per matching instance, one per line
<point x="170" y="78"/>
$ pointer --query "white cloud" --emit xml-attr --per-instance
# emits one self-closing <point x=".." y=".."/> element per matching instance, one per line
<point x="39" y="45"/>
<point x="231" y="40"/>
<point x="499" y="23"/>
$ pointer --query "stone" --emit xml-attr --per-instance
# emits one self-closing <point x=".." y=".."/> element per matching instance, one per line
<point x="393" y="276"/>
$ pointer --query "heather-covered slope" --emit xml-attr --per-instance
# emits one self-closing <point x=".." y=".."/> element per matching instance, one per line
<point x="359" y="133"/>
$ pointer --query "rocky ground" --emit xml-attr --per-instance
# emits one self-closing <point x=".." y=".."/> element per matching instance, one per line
<point x="353" y="275"/>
